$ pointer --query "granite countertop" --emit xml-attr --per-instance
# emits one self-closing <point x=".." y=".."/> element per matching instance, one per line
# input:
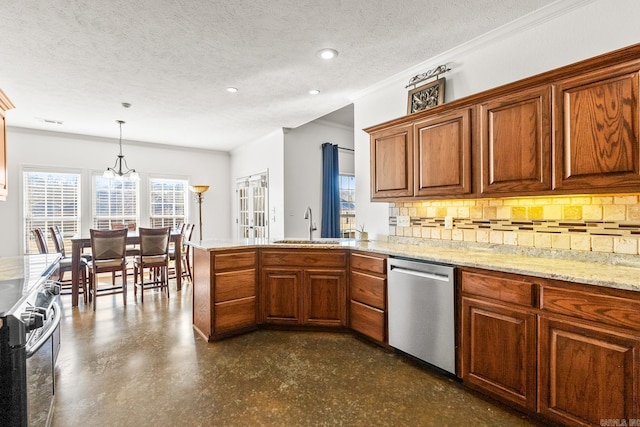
<point x="585" y="267"/>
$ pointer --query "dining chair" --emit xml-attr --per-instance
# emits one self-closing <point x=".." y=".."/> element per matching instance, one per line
<point x="154" y="255"/>
<point x="65" y="264"/>
<point x="187" y="232"/>
<point x="109" y="255"/>
<point x="41" y="240"/>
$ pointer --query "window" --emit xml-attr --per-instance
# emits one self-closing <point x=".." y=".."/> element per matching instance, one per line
<point x="168" y="203"/>
<point x="50" y="198"/>
<point x="347" y="206"/>
<point x="115" y="201"/>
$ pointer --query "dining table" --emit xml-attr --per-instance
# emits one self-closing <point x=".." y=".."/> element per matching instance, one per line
<point x="82" y="240"/>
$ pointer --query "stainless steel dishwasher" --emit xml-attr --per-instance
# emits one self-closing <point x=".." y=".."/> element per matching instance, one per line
<point x="421" y="311"/>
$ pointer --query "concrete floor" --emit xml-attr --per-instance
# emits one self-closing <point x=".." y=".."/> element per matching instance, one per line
<point x="142" y="365"/>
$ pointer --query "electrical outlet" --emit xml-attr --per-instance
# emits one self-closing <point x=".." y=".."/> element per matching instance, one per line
<point x="448" y="222"/>
<point x="403" y="220"/>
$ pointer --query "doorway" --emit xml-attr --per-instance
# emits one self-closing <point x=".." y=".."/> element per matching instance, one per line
<point x="252" y="193"/>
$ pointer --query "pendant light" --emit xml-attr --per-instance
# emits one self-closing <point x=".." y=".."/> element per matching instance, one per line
<point x="117" y="170"/>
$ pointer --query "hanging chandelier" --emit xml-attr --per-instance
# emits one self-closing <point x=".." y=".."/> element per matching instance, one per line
<point x="117" y="170"/>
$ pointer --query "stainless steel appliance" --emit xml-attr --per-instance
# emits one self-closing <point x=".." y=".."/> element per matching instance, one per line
<point x="421" y="311"/>
<point x="29" y="339"/>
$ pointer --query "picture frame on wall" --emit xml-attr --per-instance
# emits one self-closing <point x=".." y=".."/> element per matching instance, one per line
<point x="426" y="96"/>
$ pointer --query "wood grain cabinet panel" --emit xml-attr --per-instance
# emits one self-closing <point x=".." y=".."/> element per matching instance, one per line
<point x="325" y="297"/>
<point x="368" y="320"/>
<point x="5" y="105"/>
<point x="515" y="142"/>
<point x="224" y="292"/>
<point x="499" y="357"/>
<point x="392" y="163"/>
<point x="368" y="295"/>
<point x="503" y="287"/>
<point x="587" y="373"/>
<point x="443" y="154"/>
<point x="597" y="137"/>
<point x="304" y="287"/>
<point x="282" y="295"/>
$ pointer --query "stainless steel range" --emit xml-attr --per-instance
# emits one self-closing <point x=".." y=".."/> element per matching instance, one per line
<point x="29" y="339"/>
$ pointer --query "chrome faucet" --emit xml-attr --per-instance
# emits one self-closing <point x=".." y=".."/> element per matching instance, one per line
<point x="308" y="215"/>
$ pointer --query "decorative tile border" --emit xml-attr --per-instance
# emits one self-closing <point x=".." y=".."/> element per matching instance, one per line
<point x="597" y="236"/>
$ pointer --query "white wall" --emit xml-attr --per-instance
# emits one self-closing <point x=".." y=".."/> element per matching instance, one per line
<point x="303" y="172"/>
<point x="88" y="154"/>
<point x="256" y="157"/>
<point x="564" y="33"/>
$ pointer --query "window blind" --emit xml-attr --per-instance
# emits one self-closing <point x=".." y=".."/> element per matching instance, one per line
<point x="115" y="201"/>
<point x="50" y="198"/>
<point x="168" y="202"/>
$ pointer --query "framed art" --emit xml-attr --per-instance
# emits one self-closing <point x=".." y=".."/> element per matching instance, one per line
<point x="426" y="96"/>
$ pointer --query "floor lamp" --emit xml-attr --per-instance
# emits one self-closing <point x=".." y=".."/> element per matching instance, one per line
<point x="198" y="190"/>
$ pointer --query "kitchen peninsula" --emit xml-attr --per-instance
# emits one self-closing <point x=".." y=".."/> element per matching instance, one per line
<point x="534" y="301"/>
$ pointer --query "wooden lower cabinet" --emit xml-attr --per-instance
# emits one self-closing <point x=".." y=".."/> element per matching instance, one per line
<point x="282" y="295"/>
<point x="588" y="373"/>
<point x="224" y="292"/>
<point x="368" y="295"/>
<point x="499" y="345"/>
<point x="304" y="287"/>
<point x="569" y="352"/>
<point x="325" y="297"/>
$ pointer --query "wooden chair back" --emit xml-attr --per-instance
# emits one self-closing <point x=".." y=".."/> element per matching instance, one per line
<point x="109" y="244"/>
<point x="41" y="240"/>
<point x="154" y="241"/>
<point x="58" y="242"/>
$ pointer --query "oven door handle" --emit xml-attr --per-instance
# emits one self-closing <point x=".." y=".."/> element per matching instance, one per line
<point x="51" y="327"/>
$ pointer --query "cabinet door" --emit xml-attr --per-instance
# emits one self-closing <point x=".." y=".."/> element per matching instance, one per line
<point x="597" y="137"/>
<point x="443" y="154"/>
<point x="515" y="141"/>
<point x="392" y="163"/>
<point x="499" y="351"/>
<point x="282" y="298"/>
<point x="325" y="297"/>
<point x="588" y="374"/>
<point x="3" y="158"/>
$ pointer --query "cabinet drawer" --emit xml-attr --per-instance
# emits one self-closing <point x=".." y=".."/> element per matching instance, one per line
<point x="308" y="259"/>
<point x="235" y="284"/>
<point x="235" y="314"/>
<point x="369" y="263"/>
<point x="501" y="288"/>
<point x="609" y="309"/>
<point x="368" y="289"/>
<point x="367" y="320"/>
<point x="234" y="260"/>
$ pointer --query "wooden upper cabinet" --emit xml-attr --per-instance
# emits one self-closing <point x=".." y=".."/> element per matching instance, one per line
<point x="5" y="105"/>
<point x="442" y="154"/>
<point x="392" y="163"/>
<point x="515" y="142"/>
<point x="597" y="134"/>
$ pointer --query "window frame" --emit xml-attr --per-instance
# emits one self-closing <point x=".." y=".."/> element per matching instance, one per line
<point x="350" y="232"/>
<point x="27" y="218"/>
<point x="111" y="219"/>
<point x="149" y="198"/>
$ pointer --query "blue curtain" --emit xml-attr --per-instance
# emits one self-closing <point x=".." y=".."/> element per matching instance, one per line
<point x="330" y="191"/>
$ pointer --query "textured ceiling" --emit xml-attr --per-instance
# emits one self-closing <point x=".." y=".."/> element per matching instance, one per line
<point x="76" y="61"/>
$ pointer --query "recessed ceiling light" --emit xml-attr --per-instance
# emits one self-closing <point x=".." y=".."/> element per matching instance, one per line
<point x="327" y="53"/>
<point x="231" y="89"/>
<point x="314" y="91"/>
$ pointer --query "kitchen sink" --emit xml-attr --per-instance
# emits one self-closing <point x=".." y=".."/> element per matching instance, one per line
<point x="308" y="242"/>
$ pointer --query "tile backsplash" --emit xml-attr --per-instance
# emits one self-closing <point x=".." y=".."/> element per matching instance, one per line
<point x="597" y="223"/>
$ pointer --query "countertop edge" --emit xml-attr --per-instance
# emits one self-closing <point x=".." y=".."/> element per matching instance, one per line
<point x="590" y="273"/>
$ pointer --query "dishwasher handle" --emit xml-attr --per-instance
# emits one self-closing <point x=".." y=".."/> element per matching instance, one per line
<point x="433" y="276"/>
